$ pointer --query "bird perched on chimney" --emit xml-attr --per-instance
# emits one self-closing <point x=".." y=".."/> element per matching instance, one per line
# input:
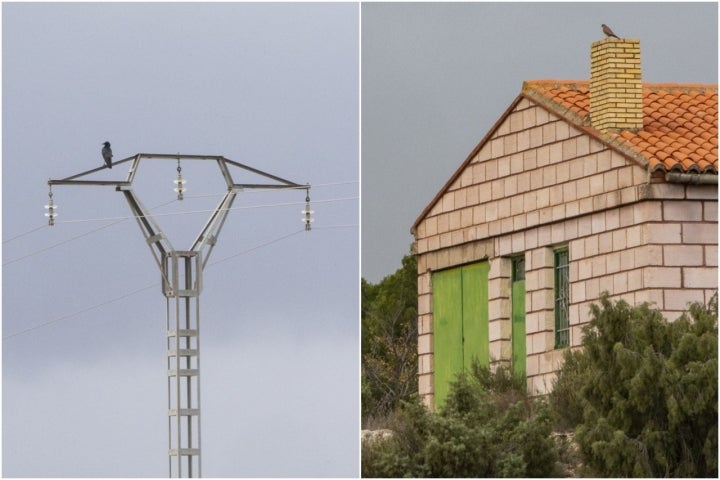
<point x="107" y="154"/>
<point x="608" y="32"/>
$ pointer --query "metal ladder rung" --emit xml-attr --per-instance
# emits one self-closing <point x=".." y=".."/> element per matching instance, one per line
<point x="182" y="333"/>
<point x="183" y="352"/>
<point x="173" y="452"/>
<point x="183" y="372"/>
<point x="172" y="412"/>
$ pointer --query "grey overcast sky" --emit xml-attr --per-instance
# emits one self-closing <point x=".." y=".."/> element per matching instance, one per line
<point x="273" y="86"/>
<point x="436" y="77"/>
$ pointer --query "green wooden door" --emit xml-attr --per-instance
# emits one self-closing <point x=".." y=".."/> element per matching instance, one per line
<point x="447" y="328"/>
<point x="518" y="318"/>
<point x="460" y="323"/>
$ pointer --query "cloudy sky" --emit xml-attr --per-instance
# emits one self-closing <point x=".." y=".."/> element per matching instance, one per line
<point x="273" y="86"/>
<point x="436" y="77"/>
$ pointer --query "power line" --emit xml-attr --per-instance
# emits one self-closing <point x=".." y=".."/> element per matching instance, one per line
<point x="117" y="220"/>
<point x="155" y="284"/>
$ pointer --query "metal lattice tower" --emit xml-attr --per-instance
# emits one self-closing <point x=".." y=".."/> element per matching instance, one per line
<point x="181" y="272"/>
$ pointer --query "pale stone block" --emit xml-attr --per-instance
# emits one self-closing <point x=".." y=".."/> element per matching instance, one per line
<point x="542" y="299"/>
<point x="425" y="385"/>
<point x="683" y="255"/>
<point x="561" y="131"/>
<point x="491" y="169"/>
<point x="571" y="229"/>
<point x="425" y="344"/>
<point x="610" y="180"/>
<point x="619" y="240"/>
<point x="679" y="299"/>
<point x="454" y="220"/>
<point x="516" y="121"/>
<point x="591" y="246"/>
<point x="648" y="211"/>
<point x="606" y="284"/>
<point x="684" y="210"/>
<point x="634" y="236"/>
<point x="590" y="165"/>
<point x="478" y="172"/>
<point x="461" y="198"/>
<point x="545" y="215"/>
<point x="653" y="297"/>
<point x="548" y="132"/>
<point x="705" y="233"/>
<point x="604" y="160"/>
<point x="648" y="255"/>
<point x="448" y="202"/>
<point x="569" y="192"/>
<point x="598" y="222"/>
<point x="424" y="364"/>
<point x="433" y="244"/>
<point x="510" y="144"/>
<point x="711" y="256"/>
<point x="700" y="277"/>
<point x="599" y="266"/>
<point x="627" y="259"/>
<point x="484" y="193"/>
<point x="620" y="282"/>
<point x="557" y="213"/>
<point x="556" y="153"/>
<point x="523" y="141"/>
<point x="478" y="214"/>
<point x="558" y="232"/>
<point x="710" y="211"/>
<point x="662" y="277"/>
<point x="634" y="279"/>
<point x="592" y="289"/>
<point x="597" y="185"/>
<point x="666" y="191"/>
<point x="425" y="324"/>
<point x="612" y="218"/>
<point x="582" y="188"/>
<point x="605" y="243"/>
<point x="499" y="308"/>
<point x="549" y="176"/>
<point x="577" y="292"/>
<point x="499" y="329"/>
<point x="497" y="148"/>
<point x="484" y="154"/>
<point x="662" y="233"/>
<point x="576" y="247"/>
<point x="612" y="262"/>
<point x="704" y="192"/>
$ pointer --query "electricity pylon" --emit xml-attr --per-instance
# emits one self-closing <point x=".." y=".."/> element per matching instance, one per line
<point x="181" y="272"/>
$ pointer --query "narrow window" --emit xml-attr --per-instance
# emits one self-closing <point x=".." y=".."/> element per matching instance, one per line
<point x="562" y="299"/>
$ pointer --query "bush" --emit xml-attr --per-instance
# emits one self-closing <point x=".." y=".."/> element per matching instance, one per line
<point x="642" y="393"/>
<point x="479" y="433"/>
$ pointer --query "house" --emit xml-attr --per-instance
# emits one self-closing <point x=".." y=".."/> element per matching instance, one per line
<point x="579" y="187"/>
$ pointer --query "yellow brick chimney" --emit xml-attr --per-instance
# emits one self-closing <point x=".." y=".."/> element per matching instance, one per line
<point x="616" y="99"/>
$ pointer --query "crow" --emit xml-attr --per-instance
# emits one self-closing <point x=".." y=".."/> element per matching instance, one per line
<point x="107" y="154"/>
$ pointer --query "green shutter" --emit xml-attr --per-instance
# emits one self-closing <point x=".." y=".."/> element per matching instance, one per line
<point x="518" y="328"/>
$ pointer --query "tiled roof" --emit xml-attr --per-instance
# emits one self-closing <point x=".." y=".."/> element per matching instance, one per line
<point x="680" y="125"/>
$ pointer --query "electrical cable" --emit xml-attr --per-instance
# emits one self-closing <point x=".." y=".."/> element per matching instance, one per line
<point x="153" y="285"/>
<point x="116" y="220"/>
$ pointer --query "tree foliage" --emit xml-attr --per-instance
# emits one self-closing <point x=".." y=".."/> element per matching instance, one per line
<point x="389" y="340"/>
<point x="488" y="428"/>
<point x="642" y="392"/>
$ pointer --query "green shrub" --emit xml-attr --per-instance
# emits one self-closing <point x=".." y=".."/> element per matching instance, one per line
<point x="646" y="389"/>
<point x="478" y="433"/>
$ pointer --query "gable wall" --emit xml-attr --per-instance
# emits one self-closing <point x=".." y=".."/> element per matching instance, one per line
<point x="539" y="183"/>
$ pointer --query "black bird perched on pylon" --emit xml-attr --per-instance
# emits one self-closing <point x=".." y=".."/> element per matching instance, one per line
<point x="107" y="154"/>
<point x="607" y="31"/>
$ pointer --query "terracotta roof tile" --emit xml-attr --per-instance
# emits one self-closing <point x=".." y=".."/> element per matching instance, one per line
<point x="680" y="127"/>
